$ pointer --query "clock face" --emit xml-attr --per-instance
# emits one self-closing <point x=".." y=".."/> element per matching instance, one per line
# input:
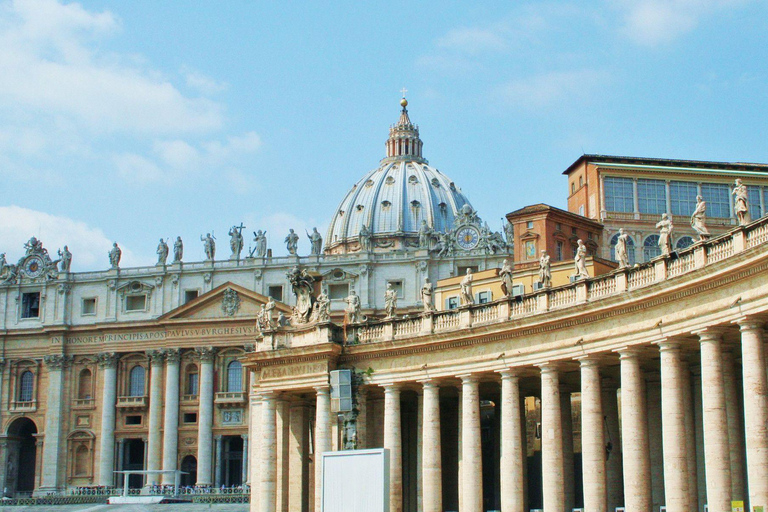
<point x="34" y="266"/>
<point x="468" y="238"/>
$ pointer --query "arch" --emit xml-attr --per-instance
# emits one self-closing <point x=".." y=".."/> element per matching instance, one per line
<point x="26" y="386"/>
<point x="136" y="381"/>
<point x="189" y="465"/>
<point x="82" y="460"/>
<point x="234" y="377"/>
<point x="630" y="248"/>
<point x="84" y="384"/>
<point x="22" y="454"/>
<point x="684" y="242"/>
<point x="651" y="247"/>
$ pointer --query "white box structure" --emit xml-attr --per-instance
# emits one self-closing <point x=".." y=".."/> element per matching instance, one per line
<point x="356" y="480"/>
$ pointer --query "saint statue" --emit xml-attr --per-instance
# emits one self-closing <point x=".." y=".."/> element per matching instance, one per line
<point x="426" y="296"/>
<point x="741" y="202"/>
<point x="446" y="244"/>
<point x="236" y="241"/>
<point x="162" y="252"/>
<point x="353" y="307"/>
<point x="269" y="312"/>
<point x="509" y="233"/>
<point x="465" y="291"/>
<point x="665" y="230"/>
<point x="317" y="242"/>
<point x="545" y="271"/>
<point x="506" y="277"/>
<point x="322" y="307"/>
<point x="621" y="249"/>
<point x="3" y="262"/>
<point x="178" y="250"/>
<point x="390" y="301"/>
<point x="260" y="237"/>
<point x="65" y="256"/>
<point x="581" y="260"/>
<point x="425" y="235"/>
<point x="699" y="218"/>
<point x="114" y="256"/>
<point x="365" y="239"/>
<point x="209" y="245"/>
<point x="292" y="242"/>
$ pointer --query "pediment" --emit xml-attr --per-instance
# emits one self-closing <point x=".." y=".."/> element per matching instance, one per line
<point x="529" y="235"/>
<point x="228" y="301"/>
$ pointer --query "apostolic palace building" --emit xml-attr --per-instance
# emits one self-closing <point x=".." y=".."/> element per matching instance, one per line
<point x="603" y="374"/>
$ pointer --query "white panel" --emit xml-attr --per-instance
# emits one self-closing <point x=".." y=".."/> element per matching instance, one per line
<point x="356" y="480"/>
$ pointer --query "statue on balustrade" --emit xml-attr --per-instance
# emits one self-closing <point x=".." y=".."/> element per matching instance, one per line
<point x="390" y="301"/>
<point x="622" y="256"/>
<point x="178" y="250"/>
<point x="506" y="277"/>
<point x="316" y="241"/>
<point x="545" y="271"/>
<point x="353" y="308"/>
<point x="465" y="289"/>
<point x="114" y="256"/>
<point x="269" y="312"/>
<point x="365" y="239"/>
<point x="260" y="237"/>
<point x="162" y="252"/>
<point x="426" y="296"/>
<point x="322" y="308"/>
<point x="66" y="260"/>
<point x="741" y="202"/>
<point x="665" y="231"/>
<point x="292" y="242"/>
<point x="209" y="245"/>
<point x="699" y="219"/>
<point x="581" y="260"/>
<point x="236" y="241"/>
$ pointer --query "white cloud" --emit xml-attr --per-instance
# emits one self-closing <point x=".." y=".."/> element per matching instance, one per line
<point x="201" y="83"/>
<point x="89" y="245"/>
<point x="547" y="89"/>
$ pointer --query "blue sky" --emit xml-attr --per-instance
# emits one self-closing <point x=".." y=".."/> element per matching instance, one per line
<point x="135" y="120"/>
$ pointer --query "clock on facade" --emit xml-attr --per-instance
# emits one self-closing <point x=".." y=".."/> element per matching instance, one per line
<point x="468" y="237"/>
<point x="34" y="266"/>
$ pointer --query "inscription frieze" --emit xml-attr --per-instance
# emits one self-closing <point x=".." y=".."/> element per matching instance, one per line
<point x="279" y="372"/>
<point x="155" y="335"/>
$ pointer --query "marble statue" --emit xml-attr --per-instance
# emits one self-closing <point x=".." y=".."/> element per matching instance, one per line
<point x="209" y="245"/>
<point x="426" y="296"/>
<point x="353" y="308"/>
<point x="509" y="233"/>
<point x="445" y="245"/>
<point x="581" y="260"/>
<point x="741" y="202"/>
<point x="282" y="321"/>
<point x="260" y="237"/>
<point x="365" y="239"/>
<point x="3" y="262"/>
<point x="66" y="260"/>
<point x="390" y="301"/>
<point x="665" y="230"/>
<point x="621" y="249"/>
<point x="269" y="312"/>
<point x="316" y="241"/>
<point x="545" y="270"/>
<point x="162" y="252"/>
<point x="322" y="312"/>
<point x="506" y="277"/>
<point x="699" y="218"/>
<point x="261" y="318"/>
<point x="465" y="289"/>
<point x="236" y="241"/>
<point x="302" y="285"/>
<point x="178" y="250"/>
<point x="114" y="256"/>
<point x="425" y="235"/>
<point x="292" y="242"/>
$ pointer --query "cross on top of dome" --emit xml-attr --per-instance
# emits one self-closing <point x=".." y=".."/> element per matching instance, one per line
<point x="404" y="142"/>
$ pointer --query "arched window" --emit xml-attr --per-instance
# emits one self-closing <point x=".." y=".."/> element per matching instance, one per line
<point x="84" y="384"/>
<point x="136" y="381"/>
<point x="26" y="386"/>
<point x="630" y="249"/>
<point x="684" y="242"/>
<point x="82" y="456"/>
<point x="651" y="247"/>
<point x="193" y="382"/>
<point x="234" y="377"/>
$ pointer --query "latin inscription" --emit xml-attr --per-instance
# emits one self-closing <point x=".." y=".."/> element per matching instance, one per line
<point x="279" y="372"/>
<point x="156" y="335"/>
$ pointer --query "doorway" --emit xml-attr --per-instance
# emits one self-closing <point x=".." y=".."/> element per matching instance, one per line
<point x="22" y="457"/>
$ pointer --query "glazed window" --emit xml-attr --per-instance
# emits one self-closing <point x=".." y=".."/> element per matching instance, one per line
<point x="26" y="386"/>
<point x="452" y="302"/>
<point x="30" y="305"/>
<point x="193" y="380"/>
<point x="652" y="196"/>
<point x="619" y="194"/>
<point x="651" y="247"/>
<point x="276" y="292"/>
<point x="682" y="196"/>
<point x="684" y="242"/>
<point x="484" y="297"/>
<point x="753" y="195"/>
<point x="559" y="251"/>
<point x="84" y="384"/>
<point x="717" y="197"/>
<point x="234" y="377"/>
<point x="136" y="381"/>
<point x="135" y="302"/>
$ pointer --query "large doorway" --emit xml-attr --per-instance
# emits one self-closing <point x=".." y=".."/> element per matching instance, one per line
<point x="133" y="459"/>
<point x="189" y="466"/>
<point x="22" y="457"/>
<point x="233" y="461"/>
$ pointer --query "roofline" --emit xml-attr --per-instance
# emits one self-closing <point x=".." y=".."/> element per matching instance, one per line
<point x="666" y="162"/>
<point x="545" y="208"/>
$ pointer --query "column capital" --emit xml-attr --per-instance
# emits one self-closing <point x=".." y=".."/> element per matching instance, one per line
<point x="218" y="438"/>
<point x="430" y="383"/>
<point x="57" y="361"/>
<point x="630" y="352"/>
<point x="173" y="355"/>
<point x="391" y="387"/>
<point x="749" y="323"/>
<point x="468" y="377"/>
<point x="206" y="354"/>
<point x="590" y="360"/>
<point x="107" y="359"/>
<point x="323" y="389"/>
<point x="669" y="345"/>
<point x="509" y="373"/>
<point x="244" y="437"/>
<point x="549" y="367"/>
<point x="714" y="333"/>
<point x="156" y="357"/>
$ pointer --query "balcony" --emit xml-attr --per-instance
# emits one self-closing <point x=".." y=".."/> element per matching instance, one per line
<point x="189" y="399"/>
<point x="30" y="406"/>
<point x="228" y="399"/>
<point x="132" y="402"/>
<point x="84" y="403"/>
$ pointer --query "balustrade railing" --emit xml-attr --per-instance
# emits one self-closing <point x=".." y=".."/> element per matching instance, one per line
<point x="641" y="276"/>
<point x="407" y="327"/>
<point x="368" y="333"/>
<point x="601" y="287"/>
<point x="524" y="307"/>
<point x="720" y="251"/>
<point x="682" y="265"/>
<point x="562" y="297"/>
<point x="446" y="320"/>
<point x="484" y="314"/>
<point x="757" y="235"/>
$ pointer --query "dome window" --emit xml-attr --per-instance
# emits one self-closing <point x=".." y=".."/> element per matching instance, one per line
<point x="453" y="186"/>
<point x="435" y="183"/>
<point x="359" y="207"/>
<point x="385" y="204"/>
<point x="413" y="180"/>
<point x="341" y="213"/>
<point x="369" y="183"/>
<point x="415" y="204"/>
<point x="443" y="208"/>
<point x="390" y="180"/>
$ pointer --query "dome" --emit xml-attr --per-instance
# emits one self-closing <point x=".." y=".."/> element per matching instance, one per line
<point x="392" y="200"/>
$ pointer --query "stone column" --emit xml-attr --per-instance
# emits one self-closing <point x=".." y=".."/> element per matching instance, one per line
<point x="755" y="410"/>
<point x="254" y="432"/>
<point x="690" y="429"/>
<point x="715" y="419"/>
<point x="171" y="419"/>
<point x="471" y="449"/>
<point x="553" y="485"/>
<point x="655" y="448"/>
<point x="298" y="493"/>
<point x="108" y="365"/>
<point x="393" y="442"/>
<point x="432" y="473"/>
<point x="244" y="467"/>
<point x="322" y="438"/>
<point x="512" y="444"/>
<point x="268" y="491"/>
<point x="120" y="461"/>
<point x="566" y="426"/>
<point x="674" y="436"/>
<point x="205" y="417"/>
<point x="613" y="463"/>
<point x="154" y="453"/>
<point x="219" y="464"/>
<point x="593" y="438"/>
<point x="56" y="364"/>
<point x="634" y="434"/>
<point x="733" y="401"/>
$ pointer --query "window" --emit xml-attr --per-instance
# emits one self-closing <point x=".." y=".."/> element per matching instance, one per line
<point x="30" y="305"/>
<point x="133" y="420"/>
<point x="452" y="302"/>
<point x="574" y="231"/>
<point x="530" y="249"/>
<point x="338" y="291"/>
<point x="684" y="242"/>
<point x="581" y="210"/>
<point x="234" y="377"/>
<point x="573" y="188"/>
<point x="26" y="386"/>
<point x="581" y="181"/>
<point x="88" y="306"/>
<point x="529" y="224"/>
<point x="630" y="249"/>
<point x="276" y="292"/>
<point x="463" y="270"/>
<point x="193" y="382"/>
<point x="190" y="417"/>
<point x="651" y="196"/>
<point x="558" y="226"/>
<point x="753" y="196"/>
<point x="190" y="295"/>
<point x="135" y="302"/>
<point x="619" y="194"/>
<point x="484" y="297"/>
<point x="84" y="384"/>
<point x="651" y="247"/>
<point x="136" y="381"/>
<point x="559" y="251"/>
<point x="398" y="287"/>
<point x="717" y="198"/>
<point x="590" y="235"/>
<point x="682" y="196"/>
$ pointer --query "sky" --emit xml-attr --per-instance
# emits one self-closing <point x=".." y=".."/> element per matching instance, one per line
<point x="129" y="121"/>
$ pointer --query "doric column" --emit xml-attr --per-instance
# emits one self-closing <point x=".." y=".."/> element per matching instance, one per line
<point x="393" y="442"/>
<point x="690" y="429"/>
<point x="613" y="463"/>
<point x="120" y="461"/>
<point x="634" y="434"/>
<point x="322" y="437"/>
<point x="297" y="457"/>
<point x="171" y="419"/>
<point x="108" y="365"/>
<point x="566" y="426"/>
<point x="268" y="492"/>
<point x="432" y="472"/>
<point x="205" y="417"/>
<point x="755" y="410"/>
<point x="735" y="426"/>
<point x="56" y="363"/>
<point x="553" y="484"/>
<point x="244" y="467"/>
<point x="512" y="444"/>
<point x="715" y="419"/>
<point x="218" y="465"/>
<point x="593" y="438"/>
<point x="254" y="432"/>
<point x="655" y="448"/>
<point x="674" y="440"/>
<point x="154" y="455"/>
<point x="471" y="449"/>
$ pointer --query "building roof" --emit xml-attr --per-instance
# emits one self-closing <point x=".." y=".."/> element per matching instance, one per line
<point x="545" y="208"/>
<point x="667" y="162"/>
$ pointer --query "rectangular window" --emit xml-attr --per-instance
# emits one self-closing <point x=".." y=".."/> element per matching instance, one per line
<point x="135" y="302"/>
<point x="529" y="224"/>
<point x="88" y="306"/>
<point x="651" y="196"/>
<point x="463" y="270"/>
<point x="530" y="250"/>
<point x="190" y="295"/>
<point x="717" y="197"/>
<point x="452" y="302"/>
<point x="30" y="305"/>
<point x="338" y="291"/>
<point x="133" y="420"/>
<point x="276" y="292"/>
<point x="581" y="210"/>
<point x="190" y="417"/>
<point x="559" y="251"/>
<point x="484" y="297"/>
<point x="589" y="236"/>
<point x="192" y="383"/>
<point x="558" y="226"/>
<point x="682" y="195"/>
<point x="753" y="193"/>
<point x="398" y="287"/>
<point x="619" y="196"/>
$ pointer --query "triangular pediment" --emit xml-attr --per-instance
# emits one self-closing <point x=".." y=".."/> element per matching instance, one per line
<point x="227" y="301"/>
